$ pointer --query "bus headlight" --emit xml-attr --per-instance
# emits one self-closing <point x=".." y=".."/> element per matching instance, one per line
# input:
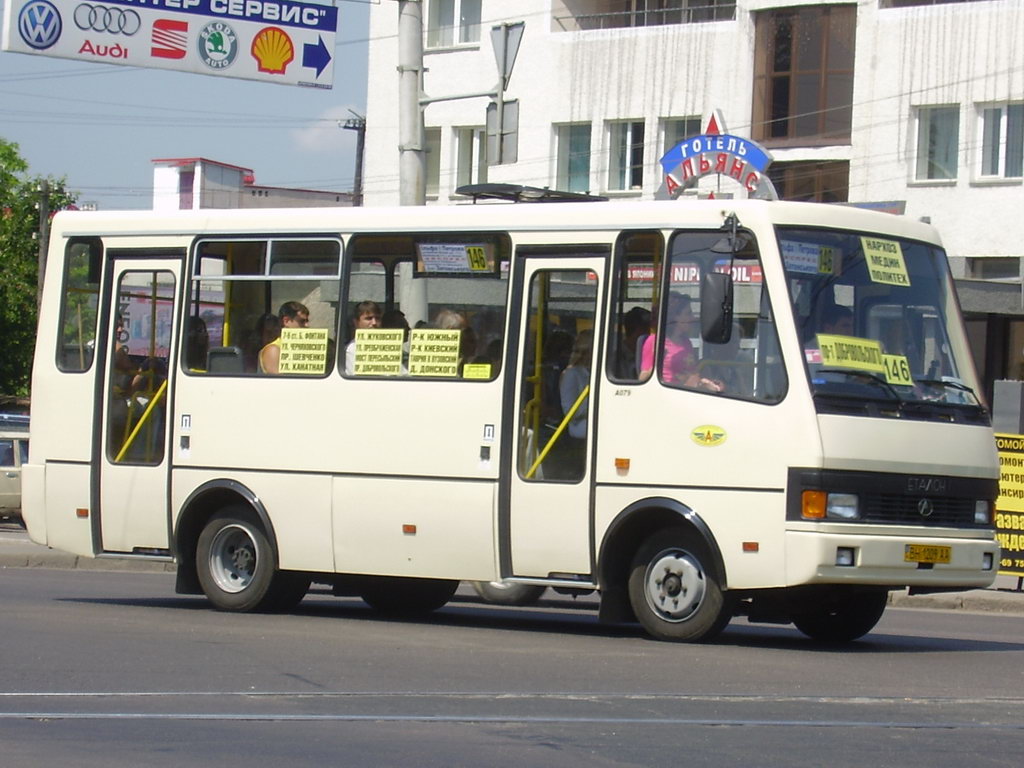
<point x="819" y="505"/>
<point x="983" y="512"/>
<point x="842" y="506"/>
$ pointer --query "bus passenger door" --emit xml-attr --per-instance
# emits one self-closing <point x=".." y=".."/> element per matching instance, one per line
<point x="547" y="531"/>
<point x="133" y="458"/>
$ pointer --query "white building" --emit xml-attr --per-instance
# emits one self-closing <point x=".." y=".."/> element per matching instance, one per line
<point x="191" y="183"/>
<point x="917" y="102"/>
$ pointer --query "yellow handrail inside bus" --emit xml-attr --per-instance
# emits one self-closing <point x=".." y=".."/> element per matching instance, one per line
<point x="142" y="421"/>
<point x="558" y="432"/>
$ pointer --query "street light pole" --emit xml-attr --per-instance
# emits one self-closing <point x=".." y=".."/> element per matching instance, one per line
<point x="357" y="124"/>
<point x="412" y="189"/>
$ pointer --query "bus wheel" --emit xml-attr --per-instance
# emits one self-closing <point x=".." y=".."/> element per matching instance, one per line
<point x="236" y="567"/>
<point x="674" y="594"/>
<point x="842" y="618"/>
<point x="406" y="597"/>
<point x="504" y="593"/>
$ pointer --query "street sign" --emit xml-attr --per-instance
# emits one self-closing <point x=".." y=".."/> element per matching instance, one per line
<point x="277" y="41"/>
<point x="505" y="40"/>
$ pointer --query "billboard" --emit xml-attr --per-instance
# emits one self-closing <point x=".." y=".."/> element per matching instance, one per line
<point x="276" y="41"/>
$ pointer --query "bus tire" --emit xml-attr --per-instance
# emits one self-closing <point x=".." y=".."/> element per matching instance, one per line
<point x="235" y="565"/>
<point x="504" y="593"/>
<point x="842" y="618"/>
<point x="674" y="593"/>
<point x="397" y="596"/>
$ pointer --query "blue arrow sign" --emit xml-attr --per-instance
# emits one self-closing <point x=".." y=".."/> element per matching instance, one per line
<point x="316" y="56"/>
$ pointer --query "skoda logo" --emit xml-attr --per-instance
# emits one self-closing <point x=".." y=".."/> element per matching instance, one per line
<point x="39" y="24"/>
<point x="925" y="508"/>
<point x="217" y="44"/>
<point x="100" y="18"/>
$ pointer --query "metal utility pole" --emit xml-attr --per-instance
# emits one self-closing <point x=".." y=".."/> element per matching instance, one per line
<point x="412" y="185"/>
<point x="357" y="124"/>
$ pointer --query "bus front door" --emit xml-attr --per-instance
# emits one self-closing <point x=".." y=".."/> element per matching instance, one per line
<point x="548" y="529"/>
<point x="133" y="457"/>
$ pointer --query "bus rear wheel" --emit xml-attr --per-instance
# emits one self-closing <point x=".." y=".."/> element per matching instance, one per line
<point x="406" y="597"/>
<point x="673" y="591"/>
<point x="842" y="618"/>
<point x="235" y="564"/>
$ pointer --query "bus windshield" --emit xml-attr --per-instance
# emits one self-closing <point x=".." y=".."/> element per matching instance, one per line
<point x="878" y="321"/>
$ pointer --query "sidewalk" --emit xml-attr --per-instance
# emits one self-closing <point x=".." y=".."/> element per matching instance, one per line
<point x="17" y="551"/>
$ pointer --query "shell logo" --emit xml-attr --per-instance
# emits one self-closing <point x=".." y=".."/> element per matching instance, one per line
<point x="273" y="50"/>
<point x="708" y="435"/>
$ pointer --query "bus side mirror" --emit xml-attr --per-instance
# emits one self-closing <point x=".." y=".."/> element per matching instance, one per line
<point x="716" y="307"/>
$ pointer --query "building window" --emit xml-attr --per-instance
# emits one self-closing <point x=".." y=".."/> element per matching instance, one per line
<point x="678" y="128"/>
<point x="812" y="181"/>
<point x="803" y="76"/>
<point x="908" y="3"/>
<point x="472" y="157"/>
<point x="453" y="22"/>
<point x="938" y="139"/>
<point x="432" y="146"/>
<point x="626" y="155"/>
<point x="614" y="14"/>
<point x="1002" y="140"/>
<point x="574" y="157"/>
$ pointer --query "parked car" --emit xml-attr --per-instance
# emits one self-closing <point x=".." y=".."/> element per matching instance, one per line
<point x="13" y="453"/>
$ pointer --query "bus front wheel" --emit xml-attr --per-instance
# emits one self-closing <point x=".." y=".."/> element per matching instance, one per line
<point x="842" y="618"/>
<point x="673" y="591"/>
<point x="236" y="569"/>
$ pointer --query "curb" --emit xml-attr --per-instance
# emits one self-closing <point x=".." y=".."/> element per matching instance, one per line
<point x="73" y="562"/>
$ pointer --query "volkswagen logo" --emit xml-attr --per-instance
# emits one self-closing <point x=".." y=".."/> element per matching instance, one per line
<point x="925" y="508"/>
<point x="39" y="24"/>
<point x="100" y="18"/>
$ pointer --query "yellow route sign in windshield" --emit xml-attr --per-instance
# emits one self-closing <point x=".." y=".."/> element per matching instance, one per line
<point x="851" y="352"/>
<point x="885" y="261"/>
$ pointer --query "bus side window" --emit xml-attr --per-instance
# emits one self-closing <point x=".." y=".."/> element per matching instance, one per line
<point x="239" y="291"/>
<point x="440" y="304"/>
<point x="638" y="262"/>
<point x="80" y="305"/>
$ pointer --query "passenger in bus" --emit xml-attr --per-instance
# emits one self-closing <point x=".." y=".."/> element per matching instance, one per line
<point x="197" y="344"/>
<point x="636" y="326"/>
<point x="395" y="318"/>
<point x="679" y="359"/>
<point x="568" y="455"/>
<point x="451" y="320"/>
<point x="122" y="375"/>
<point x="557" y="352"/>
<point x="292" y="315"/>
<point x="366" y="314"/>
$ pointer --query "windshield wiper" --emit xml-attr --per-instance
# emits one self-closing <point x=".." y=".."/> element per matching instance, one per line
<point x="874" y="378"/>
<point x="957" y="385"/>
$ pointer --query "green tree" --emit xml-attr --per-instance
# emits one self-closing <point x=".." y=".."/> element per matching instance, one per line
<point x="19" y="263"/>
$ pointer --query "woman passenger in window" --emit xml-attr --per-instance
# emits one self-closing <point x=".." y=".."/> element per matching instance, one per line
<point x="679" y="359"/>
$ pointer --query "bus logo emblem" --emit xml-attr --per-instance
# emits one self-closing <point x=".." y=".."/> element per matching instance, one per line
<point x="708" y="435"/>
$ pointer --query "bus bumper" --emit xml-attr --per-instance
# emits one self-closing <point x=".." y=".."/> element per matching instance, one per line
<point x="894" y="560"/>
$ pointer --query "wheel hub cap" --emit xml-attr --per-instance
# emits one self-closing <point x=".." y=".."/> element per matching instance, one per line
<point x="674" y="585"/>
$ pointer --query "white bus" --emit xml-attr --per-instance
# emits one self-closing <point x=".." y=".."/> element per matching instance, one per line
<point x="698" y="410"/>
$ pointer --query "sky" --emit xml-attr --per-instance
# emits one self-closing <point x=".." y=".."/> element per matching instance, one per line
<point x="99" y="125"/>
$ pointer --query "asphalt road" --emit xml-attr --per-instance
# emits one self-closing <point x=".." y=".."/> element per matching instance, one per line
<point x="113" y="669"/>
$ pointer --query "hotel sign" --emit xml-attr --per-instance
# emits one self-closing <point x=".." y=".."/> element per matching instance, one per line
<point x="714" y="152"/>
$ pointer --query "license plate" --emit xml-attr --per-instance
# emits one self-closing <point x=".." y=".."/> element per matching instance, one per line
<point x="926" y="553"/>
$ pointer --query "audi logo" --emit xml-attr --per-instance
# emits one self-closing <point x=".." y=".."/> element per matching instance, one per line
<point x="100" y="18"/>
